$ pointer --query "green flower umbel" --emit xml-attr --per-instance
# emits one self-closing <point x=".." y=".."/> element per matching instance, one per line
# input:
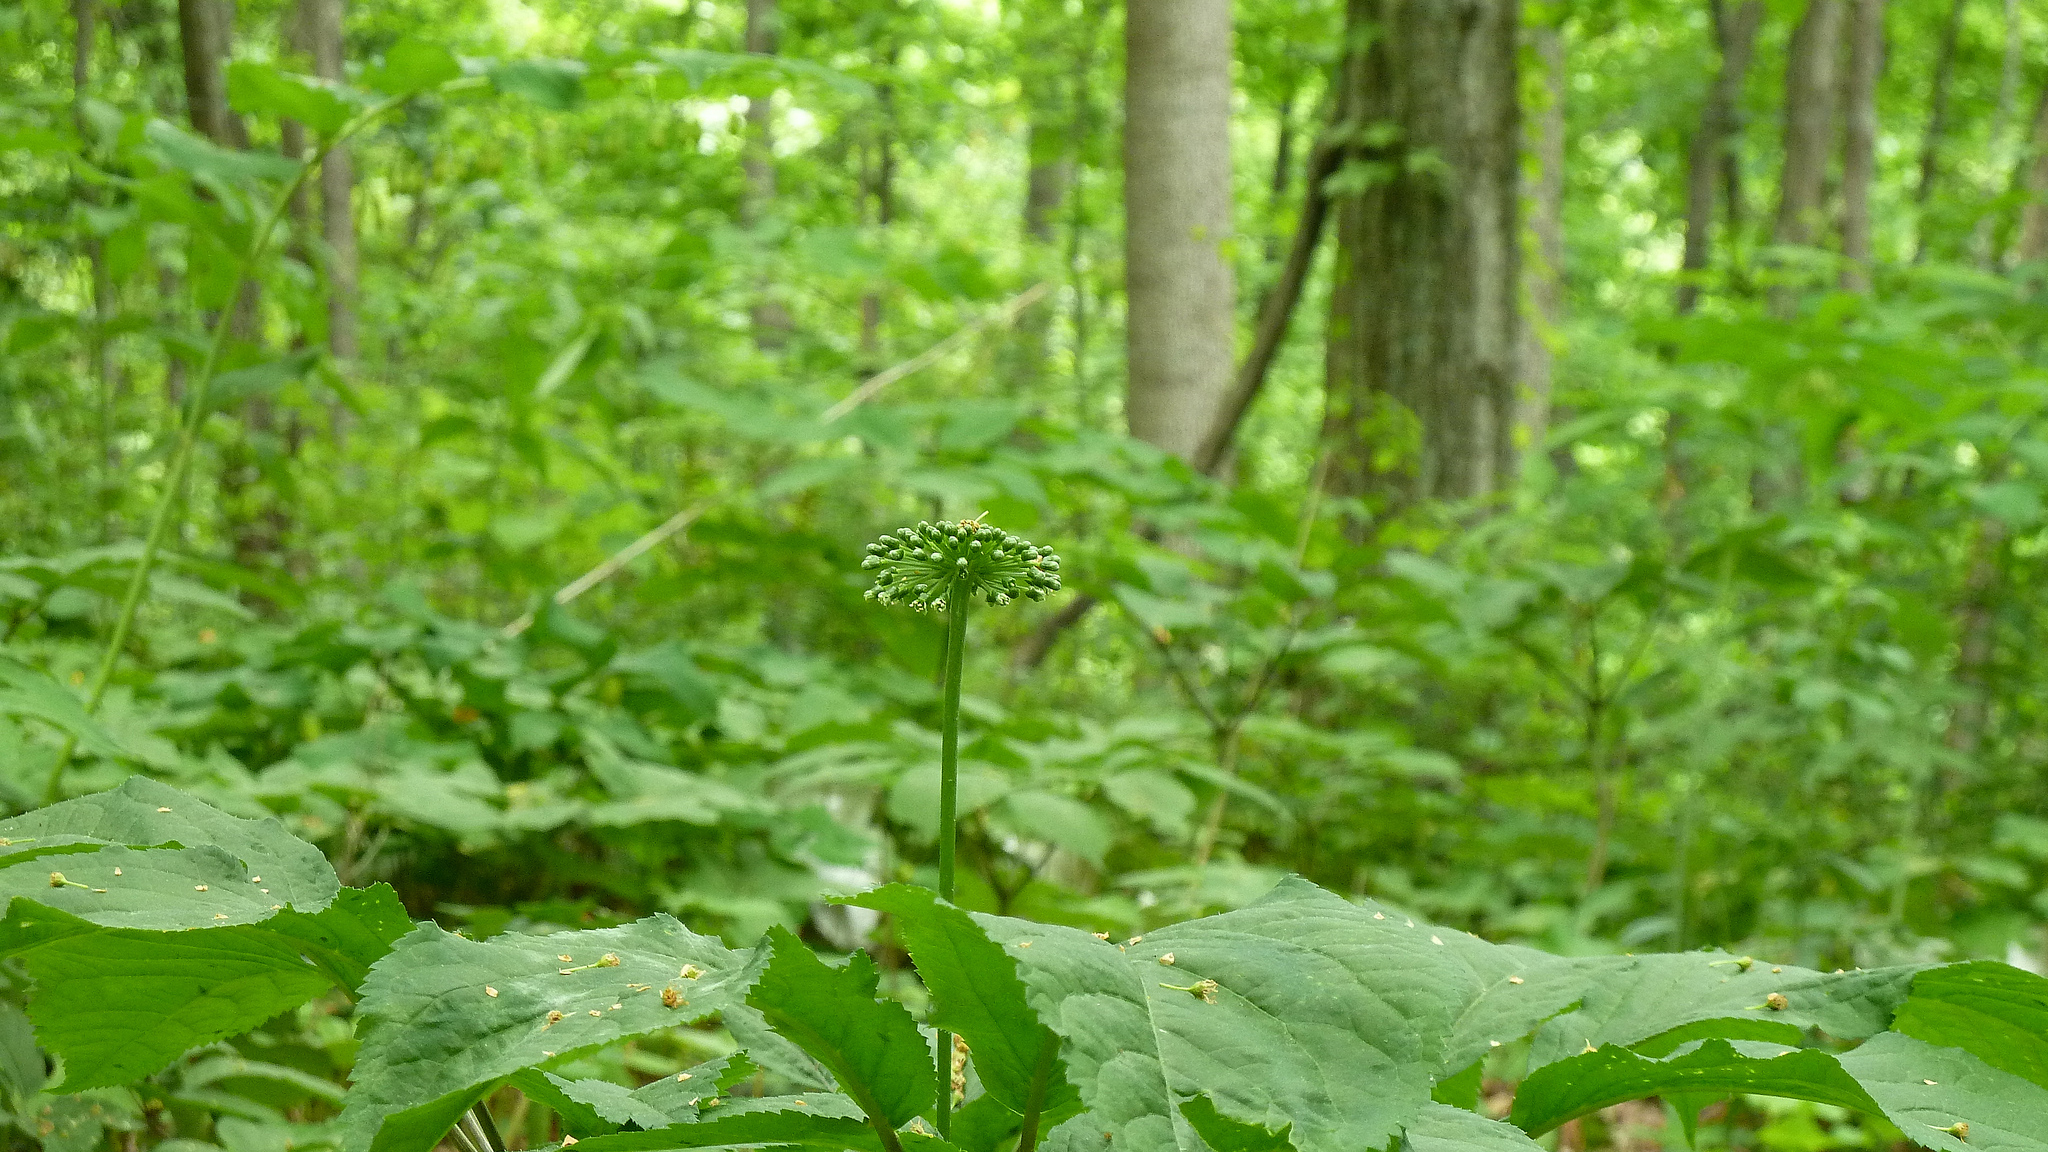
<point x="926" y="566"/>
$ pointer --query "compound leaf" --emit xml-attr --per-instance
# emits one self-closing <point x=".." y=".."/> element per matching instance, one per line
<point x="872" y="1046"/>
<point x="976" y="994"/>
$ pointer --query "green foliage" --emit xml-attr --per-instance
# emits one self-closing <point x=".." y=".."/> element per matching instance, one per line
<point x="1303" y="1020"/>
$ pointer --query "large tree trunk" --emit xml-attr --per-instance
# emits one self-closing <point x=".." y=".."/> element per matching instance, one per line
<point x="1712" y="145"/>
<point x="1424" y="328"/>
<point x="1810" y="88"/>
<point x="1179" y="285"/>
<point x="764" y="24"/>
<point x="1859" y="148"/>
<point x="1543" y="277"/>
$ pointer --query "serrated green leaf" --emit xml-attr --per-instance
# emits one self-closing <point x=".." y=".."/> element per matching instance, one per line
<point x="872" y="1046"/>
<point x="977" y="995"/>
<point x="1995" y="1011"/>
<point x="828" y="1122"/>
<point x="1677" y="998"/>
<point x="669" y="1100"/>
<point x="1328" y="1016"/>
<point x="443" y="1018"/>
<point x="120" y="1004"/>
<point x="1564" y="1089"/>
<point x="144" y="814"/>
<point x="1224" y="1134"/>
<point x="1926" y="1090"/>
<point x="1440" y="1128"/>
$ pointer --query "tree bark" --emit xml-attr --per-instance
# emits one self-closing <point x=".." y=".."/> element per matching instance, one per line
<point x="205" y="33"/>
<point x="764" y="24"/>
<point x="1937" y="120"/>
<point x="321" y="24"/>
<point x="1424" y="325"/>
<point x="2033" y="242"/>
<point x="1179" y="284"/>
<point x="1711" y="145"/>
<point x="1859" y="148"/>
<point x="1543" y="277"/>
<point x="1810" y="88"/>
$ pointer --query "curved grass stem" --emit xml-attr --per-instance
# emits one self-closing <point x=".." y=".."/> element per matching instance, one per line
<point x="188" y="430"/>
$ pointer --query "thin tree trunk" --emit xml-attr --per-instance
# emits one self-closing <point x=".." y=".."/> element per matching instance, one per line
<point x="1711" y="149"/>
<point x="205" y="33"/>
<point x="84" y="19"/>
<point x="2033" y="241"/>
<point x="1810" y="90"/>
<point x="1275" y="311"/>
<point x="1859" y="149"/>
<point x="1179" y="284"/>
<point x="1543" y="277"/>
<point x="1937" y="121"/>
<point x="1283" y="172"/>
<point x="1424" y="324"/>
<point x="1047" y="177"/>
<point x="322" y="28"/>
<point x="764" y="22"/>
<point x="882" y="189"/>
<point x="1977" y="641"/>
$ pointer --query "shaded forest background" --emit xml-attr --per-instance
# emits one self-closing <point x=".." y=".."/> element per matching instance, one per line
<point x="1572" y="470"/>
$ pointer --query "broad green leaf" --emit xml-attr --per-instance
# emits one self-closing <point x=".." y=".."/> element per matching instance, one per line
<point x="1059" y="820"/>
<point x="1445" y="1129"/>
<point x="1926" y="1090"/>
<point x="443" y="1018"/>
<point x="1564" y="1089"/>
<point x="27" y="692"/>
<point x="976" y="994"/>
<point x="669" y="1100"/>
<point x="22" y="1073"/>
<point x="120" y="1004"/>
<point x="1676" y="998"/>
<point x="202" y="159"/>
<point x="553" y="84"/>
<point x="412" y="65"/>
<point x="249" y="867"/>
<point x="1223" y="1134"/>
<point x="1154" y="797"/>
<point x="1303" y="1009"/>
<point x="872" y="1046"/>
<point x="828" y="1121"/>
<point x="1995" y="1011"/>
<point x="260" y="88"/>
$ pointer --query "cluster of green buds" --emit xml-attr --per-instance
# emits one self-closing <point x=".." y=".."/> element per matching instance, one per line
<point x="925" y="566"/>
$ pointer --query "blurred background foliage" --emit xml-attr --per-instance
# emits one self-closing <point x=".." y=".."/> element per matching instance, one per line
<point x="1740" y="657"/>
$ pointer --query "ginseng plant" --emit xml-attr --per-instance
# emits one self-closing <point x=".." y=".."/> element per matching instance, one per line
<point x="943" y="567"/>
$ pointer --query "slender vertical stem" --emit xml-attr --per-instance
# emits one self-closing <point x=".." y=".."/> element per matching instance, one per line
<point x="188" y="435"/>
<point x="957" y="601"/>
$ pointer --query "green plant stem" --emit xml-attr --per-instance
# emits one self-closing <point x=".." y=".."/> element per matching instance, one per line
<point x="188" y="436"/>
<point x="957" y="602"/>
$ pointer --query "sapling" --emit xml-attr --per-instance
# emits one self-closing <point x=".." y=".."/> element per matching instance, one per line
<point x="943" y="567"/>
